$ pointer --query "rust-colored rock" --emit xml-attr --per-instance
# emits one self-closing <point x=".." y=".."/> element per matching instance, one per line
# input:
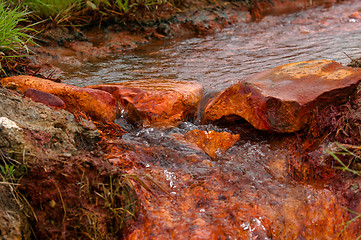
<point x="258" y="9"/>
<point x="99" y="105"/>
<point x="212" y="142"/>
<point x="45" y="98"/>
<point x="156" y="102"/>
<point x="282" y="99"/>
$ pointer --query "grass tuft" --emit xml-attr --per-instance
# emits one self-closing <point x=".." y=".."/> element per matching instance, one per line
<point x="352" y="156"/>
<point x="82" y="12"/>
<point x="116" y="196"/>
<point x="58" y="11"/>
<point x="349" y="157"/>
<point x="13" y="37"/>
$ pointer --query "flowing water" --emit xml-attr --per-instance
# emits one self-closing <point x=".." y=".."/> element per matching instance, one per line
<point x="217" y="61"/>
<point x="245" y="193"/>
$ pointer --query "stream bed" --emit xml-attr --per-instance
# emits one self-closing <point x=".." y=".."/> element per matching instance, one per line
<point x="219" y="60"/>
<point x="247" y="192"/>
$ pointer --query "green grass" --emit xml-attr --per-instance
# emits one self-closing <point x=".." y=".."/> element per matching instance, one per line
<point x="58" y="11"/>
<point x="73" y="12"/>
<point x="352" y="157"/>
<point x="13" y="36"/>
<point x="7" y="171"/>
<point x="347" y="157"/>
<point x="117" y="196"/>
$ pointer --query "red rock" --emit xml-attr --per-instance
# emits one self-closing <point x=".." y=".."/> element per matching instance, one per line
<point x="212" y="142"/>
<point x="282" y="99"/>
<point x="259" y="9"/>
<point x="355" y="15"/>
<point x="97" y="104"/>
<point x="156" y="102"/>
<point x="45" y="98"/>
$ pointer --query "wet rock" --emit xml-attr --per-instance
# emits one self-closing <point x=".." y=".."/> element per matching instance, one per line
<point x="99" y="105"/>
<point x="355" y="15"/>
<point x="212" y="142"/>
<point x="220" y="201"/>
<point x="27" y="127"/>
<point x="156" y="102"/>
<point x="282" y="99"/>
<point x="258" y="9"/>
<point x="314" y="217"/>
<point x="46" y="98"/>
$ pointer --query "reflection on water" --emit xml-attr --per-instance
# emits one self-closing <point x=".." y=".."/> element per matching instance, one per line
<point x="217" y="61"/>
<point x="245" y="193"/>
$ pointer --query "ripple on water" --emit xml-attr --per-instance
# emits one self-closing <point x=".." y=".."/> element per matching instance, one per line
<point x="219" y="60"/>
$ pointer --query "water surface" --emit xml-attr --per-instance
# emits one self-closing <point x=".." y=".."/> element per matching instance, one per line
<point x="217" y="61"/>
<point x="245" y="193"/>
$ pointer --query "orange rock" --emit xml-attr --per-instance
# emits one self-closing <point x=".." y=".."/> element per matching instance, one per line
<point x="355" y="15"/>
<point x="283" y="6"/>
<point x="156" y="102"/>
<point x="211" y="142"/>
<point x="97" y="104"/>
<point x="45" y="98"/>
<point x="282" y="99"/>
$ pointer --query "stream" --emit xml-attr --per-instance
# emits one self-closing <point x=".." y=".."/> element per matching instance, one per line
<point x="247" y="192"/>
